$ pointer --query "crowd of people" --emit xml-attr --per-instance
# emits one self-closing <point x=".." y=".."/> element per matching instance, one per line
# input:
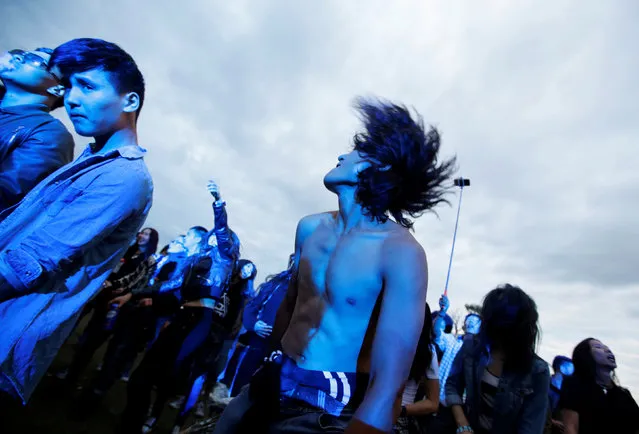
<point x="342" y="340"/>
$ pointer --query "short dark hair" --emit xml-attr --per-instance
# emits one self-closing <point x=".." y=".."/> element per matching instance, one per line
<point x="85" y="54"/>
<point x="510" y="322"/>
<point x="558" y="361"/>
<point x="405" y="178"/>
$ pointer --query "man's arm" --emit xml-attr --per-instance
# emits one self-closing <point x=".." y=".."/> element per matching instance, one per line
<point x="405" y="274"/>
<point x="40" y="154"/>
<point x="305" y="227"/>
<point x="49" y="253"/>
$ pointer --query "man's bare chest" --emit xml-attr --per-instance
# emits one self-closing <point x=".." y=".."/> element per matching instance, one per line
<point x="342" y="271"/>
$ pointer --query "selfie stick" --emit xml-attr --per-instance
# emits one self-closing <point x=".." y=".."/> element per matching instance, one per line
<point x="461" y="183"/>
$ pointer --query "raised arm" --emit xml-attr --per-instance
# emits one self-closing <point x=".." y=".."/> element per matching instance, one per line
<point x="405" y="274"/>
<point x="221" y="230"/>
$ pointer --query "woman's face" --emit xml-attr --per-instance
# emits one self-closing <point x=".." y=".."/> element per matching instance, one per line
<point x="144" y="237"/>
<point x="247" y="270"/>
<point x="602" y="355"/>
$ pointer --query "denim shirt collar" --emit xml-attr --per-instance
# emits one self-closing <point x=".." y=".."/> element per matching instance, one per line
<point x="130" y="152"/>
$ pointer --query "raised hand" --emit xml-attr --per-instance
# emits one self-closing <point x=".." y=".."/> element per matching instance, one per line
<point x="214" y="189"/>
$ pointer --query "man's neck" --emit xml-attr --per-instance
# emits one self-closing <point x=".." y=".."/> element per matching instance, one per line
<point x="116" y="140"/>
<point x="18" y="97"/>
<point x="351" y="214"/>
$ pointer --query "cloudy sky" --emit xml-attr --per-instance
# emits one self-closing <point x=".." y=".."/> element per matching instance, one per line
<point x="536" y="99"/>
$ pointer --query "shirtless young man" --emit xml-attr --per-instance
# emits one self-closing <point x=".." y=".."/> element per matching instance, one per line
<point x="356" y="299"/>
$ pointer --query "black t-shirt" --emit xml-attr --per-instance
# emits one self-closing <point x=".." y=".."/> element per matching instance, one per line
<point x="612" y="411"/>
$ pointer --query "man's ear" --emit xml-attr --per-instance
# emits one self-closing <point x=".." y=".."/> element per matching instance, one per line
<point x="131" y="102"/>
<point x="57" y="90"/>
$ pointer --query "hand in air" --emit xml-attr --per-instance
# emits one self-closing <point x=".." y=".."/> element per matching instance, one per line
<point x="262" y="329"/>
<point x="444" y="303"/>
<point x="121" y="300"/>
<point x="214" y="189"/>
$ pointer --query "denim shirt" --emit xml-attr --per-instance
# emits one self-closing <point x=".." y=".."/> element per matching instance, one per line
<point x="57" y="247"/>
<point x="521" y="403"/>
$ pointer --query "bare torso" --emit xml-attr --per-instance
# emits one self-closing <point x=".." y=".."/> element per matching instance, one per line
<point x="338" y="284"/>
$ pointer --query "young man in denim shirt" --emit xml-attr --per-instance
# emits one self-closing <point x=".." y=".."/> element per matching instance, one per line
<point x="66" y="236"/>
<point x="33" y="144"/>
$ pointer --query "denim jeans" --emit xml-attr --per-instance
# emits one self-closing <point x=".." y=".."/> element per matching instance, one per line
<point x="293" y="418"/>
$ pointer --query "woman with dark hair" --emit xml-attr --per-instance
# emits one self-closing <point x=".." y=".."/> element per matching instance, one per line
<point x="505" y="382"/>
<point x="421" y="392"/>
<point x="591" y="402"/>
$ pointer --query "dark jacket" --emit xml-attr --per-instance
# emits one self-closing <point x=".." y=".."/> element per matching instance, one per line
<point x="33" y="144"/>
<point x="521" y="402"/>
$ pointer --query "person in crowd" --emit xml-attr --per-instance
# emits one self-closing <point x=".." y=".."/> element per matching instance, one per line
<point x="134" y="269"/>
<point x="136" y="323"/>
<point x="33" y="144"/>
<point x="227" y="325"/>
<point x="49" y="268"/>
<point x="562" y="367"/>
<point x="347" y="332"/>
<point x="252" y="346"/>
<point x="505" y="382"/>
<point x="241" y="292"/>
<point x="190" y="332"/>
<point x="421" y="392"/>
<point x="446" y="344"/>
<point x="258" y="320"/>
<point x="472" y="324"/>
<point x="591" y="399"/>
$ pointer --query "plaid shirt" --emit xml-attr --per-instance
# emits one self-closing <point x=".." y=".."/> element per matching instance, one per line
<point x="451" y="346"/>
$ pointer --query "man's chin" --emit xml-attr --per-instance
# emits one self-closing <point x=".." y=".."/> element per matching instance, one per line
<point x="83" y="131"/>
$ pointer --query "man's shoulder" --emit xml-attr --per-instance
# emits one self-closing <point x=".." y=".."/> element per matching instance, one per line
<point x="400" y="244"/>
<point x="57" y="134"/>
<point x="316" y="219"/>
<point x="309" y="223"/>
